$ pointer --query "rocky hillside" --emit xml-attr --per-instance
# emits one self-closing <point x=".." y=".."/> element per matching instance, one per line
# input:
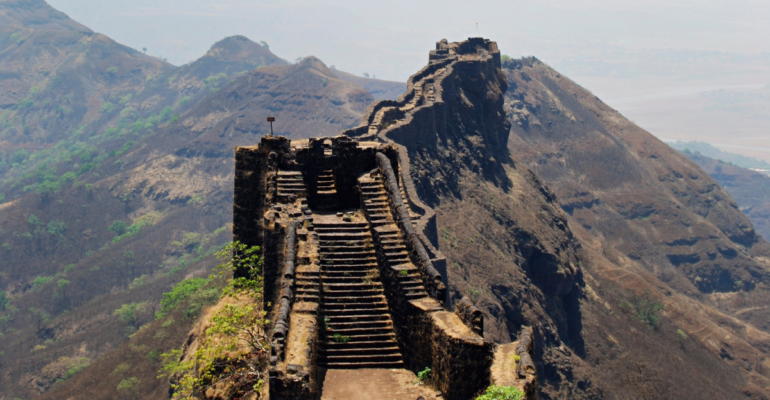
<point x="648" y="219"/>
<point x="750" y="189"/>
<point x="640" y="273"/>
<point x="107" y="205"/>
<point x="607" y="325"/>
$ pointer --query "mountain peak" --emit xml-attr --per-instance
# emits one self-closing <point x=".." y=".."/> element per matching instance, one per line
<point x="312" y="62"/>
<point x="37" y="15"/>
<point x="240" y="49"/>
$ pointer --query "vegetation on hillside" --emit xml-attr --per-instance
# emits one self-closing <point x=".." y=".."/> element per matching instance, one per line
<point x="234" y="347"/>
<point x="495" y="392"/>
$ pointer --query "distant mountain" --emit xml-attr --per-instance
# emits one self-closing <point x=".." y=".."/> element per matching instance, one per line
<point x="713" y="152"/>
<point x="380" y="89"/>
<point x="116" y="181"/>
<point x="37" y="15"/>
<point x="750" y="189"/>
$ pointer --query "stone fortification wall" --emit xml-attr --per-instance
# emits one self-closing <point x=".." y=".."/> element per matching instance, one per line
<point x="513" y="364"/>
<point x="434" y="282"/>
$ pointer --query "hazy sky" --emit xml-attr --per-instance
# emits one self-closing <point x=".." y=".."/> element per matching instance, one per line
<point x="656" y="61"/>
<point x="391" y="38"/>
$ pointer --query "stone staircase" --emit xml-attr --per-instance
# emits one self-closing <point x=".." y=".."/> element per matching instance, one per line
<point x="307" y="286"/>
<point x="358" y="327"/>
<point x="390" y="238"/>
<point x="290" y="183"/>
<point x="327" y="191"/>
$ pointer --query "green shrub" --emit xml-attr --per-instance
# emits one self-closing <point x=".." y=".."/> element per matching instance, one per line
<point x="200" y="299"/>
<point x="340" y="338"/>
<point x="68" y="177"/>
<point x="48" y="187"/>
<point x="19" y="156"/>
<point x="644" y="309"/>
<point x="129" y="386"/>
<point x="106" y="107"/>
<point x="77" y="366"/>
<point x="179" y="293"/>
<point x="424" y="375"/>
<point x="140" y="223"/>
<point x="130" y="313"/>
<point x="85" y="168"/>
<point x="118" y="227"/>
<point x="56" y="228"/>
<point x="495" y="392"/>
<point x="41" y="280"/>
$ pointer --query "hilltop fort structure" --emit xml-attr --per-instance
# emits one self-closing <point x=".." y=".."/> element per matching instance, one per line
<point x="352" y="270"/>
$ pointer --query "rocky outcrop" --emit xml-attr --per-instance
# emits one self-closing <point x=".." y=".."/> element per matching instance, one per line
<point x="649" y="220"/>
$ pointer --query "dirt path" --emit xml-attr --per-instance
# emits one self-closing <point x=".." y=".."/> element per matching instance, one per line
<point x="373" y="384"/>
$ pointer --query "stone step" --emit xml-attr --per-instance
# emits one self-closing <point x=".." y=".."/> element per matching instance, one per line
<point x="349" y="261"/>
<point x="364" y="253"/>
<point x="351" y="330"/>
<point x="354" y="325"/>
<point x="342" y="307"/>
<point x="327" y="248"/>
<point x="358" y="317"/>
<point x="340" y="267"/>
<point x="358" y="300"/>
<point x="366" y="241"/>
<point x="342" y="279"/>
<point x="335" y="352"/>
<point x="346" y="273"/>
<point x="342" y="224"/>
<point x="361" y="345"/>
<point x="341" y="229"/>
<point x="329" y="234"/>
<point x="361" y="365"/>
<point x="379" y="337"/>
<point x="337" y="286"/>
<point x="414" y="288"/>
<point x="354" y="294"/>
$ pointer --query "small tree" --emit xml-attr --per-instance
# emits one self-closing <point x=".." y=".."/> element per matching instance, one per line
<point x="3" y="301"/>
<point x="61" y="288"/>
<point x="129" y="387"/>
<point x="645" y="309"/>
<point x="118" y="227"/>
<point x="130" y="313"/>
<point x="39" y="316"/>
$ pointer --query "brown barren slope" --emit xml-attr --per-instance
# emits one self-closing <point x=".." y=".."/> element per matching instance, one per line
<point x="61" y="269"/>
<point x="648" y="219"/>
<point x="520" y="258"/>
